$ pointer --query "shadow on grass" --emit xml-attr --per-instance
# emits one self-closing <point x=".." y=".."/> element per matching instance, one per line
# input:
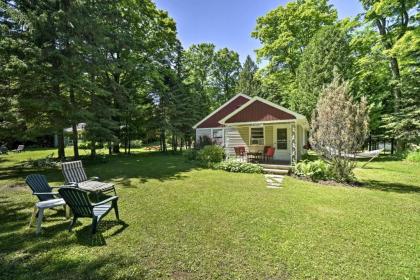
<point x="3" y="158"/>
<point x="51" y="265"/>
<point x="121" y="168"/>
<point x="84" y="236"/>
<point x="390" y="187"/>
<point x="23" y="254"/>
<point x="12" y="216"/>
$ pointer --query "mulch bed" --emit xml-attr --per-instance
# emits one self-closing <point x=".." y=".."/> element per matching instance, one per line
<point x="329" y="182"/>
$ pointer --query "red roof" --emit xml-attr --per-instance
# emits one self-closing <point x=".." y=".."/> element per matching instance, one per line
<point x="259" y="111"/>
<point x="226" y="109"/>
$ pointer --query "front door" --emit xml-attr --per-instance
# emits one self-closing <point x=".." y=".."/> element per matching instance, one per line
<point x="282" y="142"/>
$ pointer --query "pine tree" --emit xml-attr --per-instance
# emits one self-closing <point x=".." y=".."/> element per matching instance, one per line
<point x="328" y="50"/>
<point x="248" y="82"/>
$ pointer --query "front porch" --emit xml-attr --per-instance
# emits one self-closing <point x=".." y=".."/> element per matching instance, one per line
<point x="286" y="140"/>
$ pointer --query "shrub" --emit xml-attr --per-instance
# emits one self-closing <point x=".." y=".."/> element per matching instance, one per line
<point x="190" y="154"/>
<point x="83" y="146"/>
<point x="211" y="154"/>
<point x="136" y="143"/>
<point x="314" y="170"/>
<point x="87" y="145"/>
<point x="47" y="162"/>
<point x="339" y="126"/>
<point x="240" y="167"/>
<point x="413" y="156"/>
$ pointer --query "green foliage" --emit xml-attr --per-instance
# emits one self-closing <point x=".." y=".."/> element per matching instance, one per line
<point x="136" y="144"/>
<point x="239" y="167"/>
<point x="211" y="74"/>
<point x="191" y="154"/>
<point x="328" y="51"/>
<point x="314" y="170"/>
<point x="47" y="162"/>
<point x="211" y="154"/>
<point x="339" y="127"/>
<point x="82" y="62"/>
<point x="371" y="75"/>
<point x="226" y="67"/>
<point x="286" y="30"/>
<point x="397" y="26"/>
<point x="88" y="145"/>
<point x="284" y="33"/>
<point x="303" y="41"/>
<point x="248" y="82"/>
<point x="414" y="155"/>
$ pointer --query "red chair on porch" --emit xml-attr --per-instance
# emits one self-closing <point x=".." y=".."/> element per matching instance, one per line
<point x="240" y="152"/>
<point x="268" y="155"/>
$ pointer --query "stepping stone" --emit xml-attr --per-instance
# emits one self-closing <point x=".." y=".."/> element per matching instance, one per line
<point x="273" y="181"/>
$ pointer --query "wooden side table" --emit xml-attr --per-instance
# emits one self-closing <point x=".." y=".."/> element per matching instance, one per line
<point x="41" y="206"/>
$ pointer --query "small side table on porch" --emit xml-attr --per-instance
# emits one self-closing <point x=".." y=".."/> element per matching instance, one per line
<point x="254" y="156"/>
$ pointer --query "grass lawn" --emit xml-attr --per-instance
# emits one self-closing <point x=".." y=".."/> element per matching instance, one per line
<point x="183" y="222"/>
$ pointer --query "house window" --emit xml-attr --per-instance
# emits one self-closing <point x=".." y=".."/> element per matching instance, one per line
<point x="218" y="136"/>
<point x="282" y="138"/>
<point x="257" y="136"/>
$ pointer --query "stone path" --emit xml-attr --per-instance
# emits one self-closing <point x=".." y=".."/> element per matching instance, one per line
<point x="273" y="181"/>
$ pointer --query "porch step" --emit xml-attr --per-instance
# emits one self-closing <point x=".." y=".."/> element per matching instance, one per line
<point x="276" y="171"/>
<point x="275" y="166"/>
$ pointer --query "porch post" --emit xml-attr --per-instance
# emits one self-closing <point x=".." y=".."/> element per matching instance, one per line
<point x="293" y="154"/>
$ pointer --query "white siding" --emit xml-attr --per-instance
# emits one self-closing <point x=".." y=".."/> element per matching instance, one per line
<point x="233" y="139"/>
<point x="209" y="132"/>
<point x="200" y="132"/>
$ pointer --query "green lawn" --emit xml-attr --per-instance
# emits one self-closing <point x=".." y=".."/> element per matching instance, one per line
<point x="183" y="222"/>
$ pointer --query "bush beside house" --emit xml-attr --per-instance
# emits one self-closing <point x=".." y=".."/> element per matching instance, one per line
<point x="314" y="170"/>
<point x="238" y="166"/>
<point x="213" y="156"/>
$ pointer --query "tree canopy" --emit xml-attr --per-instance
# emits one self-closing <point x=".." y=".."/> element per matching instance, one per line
<point x="119" y="67"/>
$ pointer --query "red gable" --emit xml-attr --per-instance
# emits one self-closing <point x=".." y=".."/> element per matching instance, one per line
<point x="226" y="109"/>
<point x="259" y="111"/>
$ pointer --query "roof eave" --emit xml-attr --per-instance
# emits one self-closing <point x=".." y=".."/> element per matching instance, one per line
<point x="220" y="108"/>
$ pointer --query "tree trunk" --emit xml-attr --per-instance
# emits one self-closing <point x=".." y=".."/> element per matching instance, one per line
<point x="74" y="126"/>
<point x="92" y="149"/>
<point x="109" y="147"/>
<point x="126" y="138"/>
<point x="163" y="140"/>
<point x="174" y="147"/>
<point x="75" y="141"/>
<point x="393" y="62"/>
<point x="395" y="69"/>
<point x="116" y="147"/>
<point x="61" y="146"/>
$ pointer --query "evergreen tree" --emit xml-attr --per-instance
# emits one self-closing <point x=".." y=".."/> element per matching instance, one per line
<point x="329" y="49"/>
<point x="248" y="82"/>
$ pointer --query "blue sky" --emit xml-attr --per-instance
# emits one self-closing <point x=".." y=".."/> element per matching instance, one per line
<point x="229" y="23"/>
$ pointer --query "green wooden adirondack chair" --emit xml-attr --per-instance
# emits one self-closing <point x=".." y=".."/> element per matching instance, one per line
<point x="47" y="198"/>
<point x="40" y="187"/>
<point x="81" y="206"/>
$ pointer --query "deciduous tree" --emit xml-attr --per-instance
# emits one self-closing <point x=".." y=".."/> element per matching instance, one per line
<point x="339" y="127"/>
